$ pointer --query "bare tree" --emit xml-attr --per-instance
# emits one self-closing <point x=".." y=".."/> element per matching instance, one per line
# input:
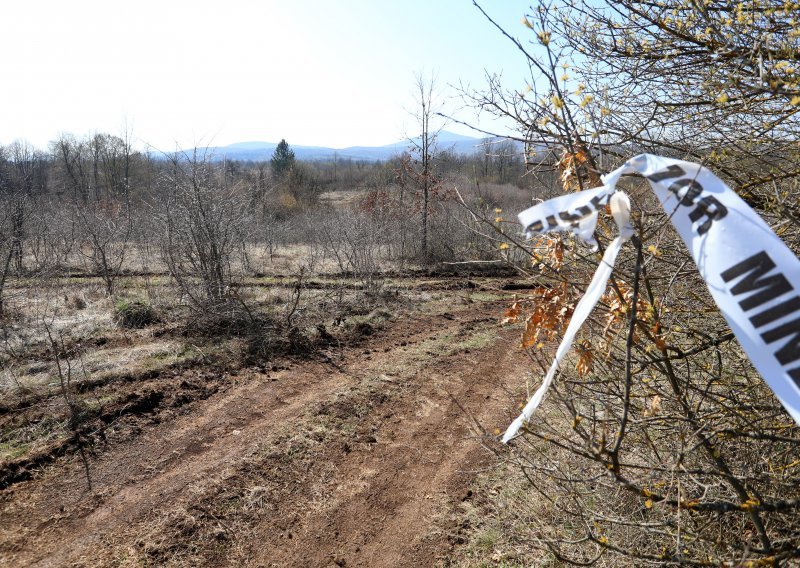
<point x="99" y="167"/>
<point x="7" y="206"/>
<point x="24" y="177"/>
<point x="423" y="145"/>
<point x="72" y="169"/>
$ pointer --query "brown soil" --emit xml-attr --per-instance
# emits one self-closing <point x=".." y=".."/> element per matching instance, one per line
<point x="360" y="460"/>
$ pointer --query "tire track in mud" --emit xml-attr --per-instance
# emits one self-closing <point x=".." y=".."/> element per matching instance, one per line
<point x="361" y="464"/>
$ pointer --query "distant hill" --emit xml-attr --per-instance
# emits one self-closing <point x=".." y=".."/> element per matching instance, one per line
<point x="262" y="151"/>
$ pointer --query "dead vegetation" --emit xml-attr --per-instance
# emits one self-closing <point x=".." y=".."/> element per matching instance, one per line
<point x="659" y="444"/>
<point x="125" y="360"/>
<point x="272" y="453"/>
<point x="128" y="299"/>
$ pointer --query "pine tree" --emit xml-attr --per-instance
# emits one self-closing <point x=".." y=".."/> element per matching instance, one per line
<point x="282" y="160"/>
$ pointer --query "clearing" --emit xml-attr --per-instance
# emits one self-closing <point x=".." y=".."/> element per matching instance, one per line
<point x="359" y="456"/>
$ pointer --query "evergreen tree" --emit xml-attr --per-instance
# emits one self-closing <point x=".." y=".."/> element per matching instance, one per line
<point x="282" y="160"/>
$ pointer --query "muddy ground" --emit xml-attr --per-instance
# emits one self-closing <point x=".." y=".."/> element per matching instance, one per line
<point x="358" y="456"/>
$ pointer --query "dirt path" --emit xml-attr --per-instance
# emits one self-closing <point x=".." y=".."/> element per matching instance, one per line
<point x="360" y="462"/>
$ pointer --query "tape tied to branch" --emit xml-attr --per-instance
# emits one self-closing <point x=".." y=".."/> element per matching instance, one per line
<point x="752" y="275"/>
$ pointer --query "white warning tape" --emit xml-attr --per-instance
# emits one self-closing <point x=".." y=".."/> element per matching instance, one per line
<point x="752" y="275"/>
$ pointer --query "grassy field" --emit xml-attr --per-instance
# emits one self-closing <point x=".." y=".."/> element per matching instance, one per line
<point x="366" y="406"/>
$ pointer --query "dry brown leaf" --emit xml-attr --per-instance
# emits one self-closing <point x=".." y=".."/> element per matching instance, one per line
<point x="585" y="362"/>
<point x="549" y="313"/>
<point x="511" y="315"/>
<point x="653" y="406"/>
<point x="576" y="169"/>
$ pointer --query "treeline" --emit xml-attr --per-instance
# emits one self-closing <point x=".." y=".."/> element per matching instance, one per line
<point x="98" y="205"/>
<point x="104" y="166"/>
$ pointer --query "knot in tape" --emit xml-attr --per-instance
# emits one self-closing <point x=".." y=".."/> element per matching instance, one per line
<point x="621" y="211"/>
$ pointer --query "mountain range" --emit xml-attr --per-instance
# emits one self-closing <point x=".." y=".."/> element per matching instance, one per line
<point x="262" y="151"/>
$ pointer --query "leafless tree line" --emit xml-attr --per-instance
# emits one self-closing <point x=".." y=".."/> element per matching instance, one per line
<point x="97" y="206"/>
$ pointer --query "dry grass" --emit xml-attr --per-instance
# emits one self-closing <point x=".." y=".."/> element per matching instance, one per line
<point x="341" y="198"/>
<point x="516" y="510"/>
<point x="102" y="356"/>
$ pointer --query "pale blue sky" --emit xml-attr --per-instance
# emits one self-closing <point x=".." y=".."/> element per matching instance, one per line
<point x="330" y="73"/>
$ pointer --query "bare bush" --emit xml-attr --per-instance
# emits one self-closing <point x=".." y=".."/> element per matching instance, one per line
<point x="52" y="237"/>
<point x="354" y="240"/>
<point x="8" y="241"/>
<point x="202" y="219"/>
<point x="105" y="229"/>
<point x="660" y="444"/>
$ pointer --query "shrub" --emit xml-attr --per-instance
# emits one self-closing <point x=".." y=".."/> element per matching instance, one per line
<point x="134" y="314"/>
<point x="75" y="302"/>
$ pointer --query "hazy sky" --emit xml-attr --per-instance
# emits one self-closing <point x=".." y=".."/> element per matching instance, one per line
<point x="330" y="73"/>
